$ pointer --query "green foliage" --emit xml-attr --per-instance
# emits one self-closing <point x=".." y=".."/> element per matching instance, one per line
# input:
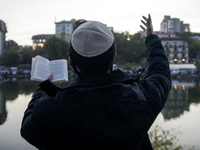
<point x="127" y="66"/>
<point x="56" y="48"/>
<point x="165" y="140"/>
<point x="198" y="65"/>
<point x="26" y="55"/>
<point x="130" y="48"/>
<point x="10" y="57"/>
<point x="194" y="48"/>
<point x="39" y="51"/>
<point x="185" y="36"/>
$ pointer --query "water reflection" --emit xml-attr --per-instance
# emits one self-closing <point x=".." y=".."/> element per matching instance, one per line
<point x="181" y="95"/>
<point x="10" y="88"/>
<point x="3" y="111"/>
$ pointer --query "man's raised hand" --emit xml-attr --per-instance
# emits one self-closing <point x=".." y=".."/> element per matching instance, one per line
<point x="147" y="22"/>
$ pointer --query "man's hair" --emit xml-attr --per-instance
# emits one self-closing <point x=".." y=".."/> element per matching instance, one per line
<point x="92" y="65"/>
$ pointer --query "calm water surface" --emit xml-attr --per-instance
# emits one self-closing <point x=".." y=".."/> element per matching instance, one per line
<point x="176" y="127"/>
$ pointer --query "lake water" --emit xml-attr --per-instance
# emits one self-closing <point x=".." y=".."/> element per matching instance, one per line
<point x="176" y="127"/>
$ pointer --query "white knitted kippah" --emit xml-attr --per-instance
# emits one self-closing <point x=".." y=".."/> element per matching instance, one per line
<point x="91" y="39"/>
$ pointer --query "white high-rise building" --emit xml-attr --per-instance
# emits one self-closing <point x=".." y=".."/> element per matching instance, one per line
<point x="173" y="25"/>
<point x="64" y="29"/>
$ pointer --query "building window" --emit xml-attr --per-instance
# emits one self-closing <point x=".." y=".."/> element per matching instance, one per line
<point x="183" y="60"/>
<point x="34" y="46"/>
<point x="184" y="44"/>
<point x="40" y="45"/>
<point x="170" y="24"/>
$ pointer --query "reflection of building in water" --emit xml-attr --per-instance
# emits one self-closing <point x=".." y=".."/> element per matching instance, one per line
<point x="178" y="100"/>
<point x="3" y="112"/>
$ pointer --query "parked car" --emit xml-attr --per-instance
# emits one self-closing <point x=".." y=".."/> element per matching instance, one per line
<point x="27" y="72"/>
<point x="175" y="72"/>
<point x="14" y="70"/>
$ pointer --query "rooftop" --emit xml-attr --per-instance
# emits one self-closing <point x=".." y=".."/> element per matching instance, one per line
<point x="182" y="66"/>
<point x="72" y="21"/>
<point x="3" y="26"/>
<point x="42" y="36"/>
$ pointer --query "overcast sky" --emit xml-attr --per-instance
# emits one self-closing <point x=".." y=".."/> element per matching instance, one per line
<point x="25" y="18"/>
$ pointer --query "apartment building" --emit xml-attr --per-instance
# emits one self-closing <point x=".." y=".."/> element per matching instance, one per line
<point x="3" y="32"/>
<point x="176" y="50"/>
<point x="64" y="29"/>
<point x="173" y="25"/>
<point x="39" y="40"/>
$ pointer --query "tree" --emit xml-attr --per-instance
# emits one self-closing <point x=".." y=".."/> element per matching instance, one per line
<point x="56" y="48"/>
<point x="130" y="48"/>
<point x="39" y="51"/>
<point x="10" y="57"/>
<point x="194" y="48"/>
<point x="26" y="55"/>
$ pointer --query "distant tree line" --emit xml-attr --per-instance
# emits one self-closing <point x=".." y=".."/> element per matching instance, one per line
<point x="54" y="48"/>
<point x="131" y="50"/>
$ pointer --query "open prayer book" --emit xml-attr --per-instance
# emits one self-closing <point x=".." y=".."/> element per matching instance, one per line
<point x="42" y="68"/>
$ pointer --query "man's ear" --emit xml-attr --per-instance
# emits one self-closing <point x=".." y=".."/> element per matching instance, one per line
<point x="70" y="62"/>
<point x="75" y="68"/>
<point x="115" y="55"/>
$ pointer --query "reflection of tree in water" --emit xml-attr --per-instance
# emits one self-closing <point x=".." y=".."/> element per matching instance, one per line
<point x="194" y="95"/>
<point x="166" y="140"/>
<point x="10" y="90"/>
<point x="179" y="99"/>
<point x="27" y="88"/>
<point x="3" y="111"/>
<point x="3" y="116"/>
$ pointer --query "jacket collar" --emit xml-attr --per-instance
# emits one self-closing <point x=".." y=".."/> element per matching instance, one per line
<point x="102" y="79"/>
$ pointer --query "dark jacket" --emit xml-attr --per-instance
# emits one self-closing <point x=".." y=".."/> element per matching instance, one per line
<point x="108" y="111"/>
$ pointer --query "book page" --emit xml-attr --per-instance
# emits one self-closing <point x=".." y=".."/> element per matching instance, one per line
<point x="41" y="70"/>
<point x="59" y="70"/>
<point x="32" y="68"/>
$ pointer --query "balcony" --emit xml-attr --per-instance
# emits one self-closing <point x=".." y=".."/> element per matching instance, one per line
<point x="183" y="60"/>
<point x="175" y="52"/>
<point x="183" y="52"/>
